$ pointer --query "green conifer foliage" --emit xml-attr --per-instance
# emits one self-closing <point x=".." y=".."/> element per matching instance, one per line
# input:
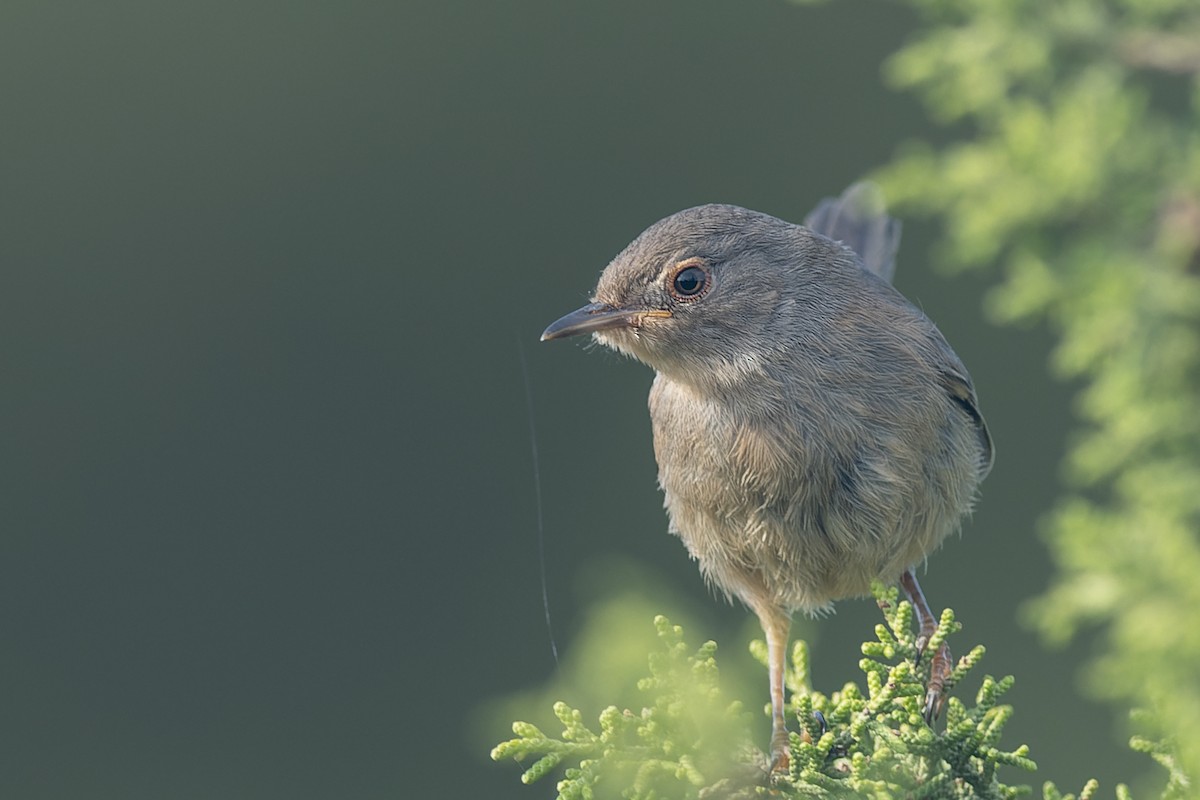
<point x="691" y="741"/>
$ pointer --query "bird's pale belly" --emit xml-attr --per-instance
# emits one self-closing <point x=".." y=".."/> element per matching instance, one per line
<point x="798" y="524"/>
<point x="758" y="556"/>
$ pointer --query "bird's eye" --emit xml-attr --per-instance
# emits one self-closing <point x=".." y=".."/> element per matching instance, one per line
<point x="690" y="282"/>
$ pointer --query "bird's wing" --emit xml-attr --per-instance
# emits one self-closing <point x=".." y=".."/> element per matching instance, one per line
<point x="963" y="393"/>
<point x="859" y="220"/>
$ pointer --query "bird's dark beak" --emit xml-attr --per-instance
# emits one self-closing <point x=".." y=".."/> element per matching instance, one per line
<point x="596" y="317"/>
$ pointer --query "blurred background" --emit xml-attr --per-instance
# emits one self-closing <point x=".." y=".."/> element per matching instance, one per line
<point x="270" y="269"/>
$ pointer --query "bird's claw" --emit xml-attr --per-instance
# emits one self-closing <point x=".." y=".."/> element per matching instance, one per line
<point x="939" y="676"/>
<point x="781" y="753"/>
<point x="935" y="701"/>
<point x="921" y="643"/>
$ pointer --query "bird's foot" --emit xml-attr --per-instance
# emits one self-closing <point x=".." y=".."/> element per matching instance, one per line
<point x="941" y="663"/>
<point x="921" y="643"/>
<point x="781" y="753"/>
<point x="939" y="676"/>
<point x="780" y="765"/>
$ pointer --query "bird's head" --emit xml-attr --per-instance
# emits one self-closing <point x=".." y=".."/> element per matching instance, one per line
<point x="708" y="293"/>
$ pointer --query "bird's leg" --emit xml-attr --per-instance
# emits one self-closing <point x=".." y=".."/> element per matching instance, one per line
<point x="940" y="664"/>
<point x="775" y="625"/>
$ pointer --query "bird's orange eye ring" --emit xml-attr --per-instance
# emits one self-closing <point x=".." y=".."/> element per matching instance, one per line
<point x="690" y="280"/>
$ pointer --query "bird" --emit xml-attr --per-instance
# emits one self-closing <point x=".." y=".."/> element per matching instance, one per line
<point x="813" y="429"/>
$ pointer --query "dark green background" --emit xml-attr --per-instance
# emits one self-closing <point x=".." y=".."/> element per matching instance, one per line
<point x="267" y="526"/>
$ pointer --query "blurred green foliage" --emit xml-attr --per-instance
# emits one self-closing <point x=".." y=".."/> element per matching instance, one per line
<point x="689" y="740"/>
<point x="1076" y="173"/>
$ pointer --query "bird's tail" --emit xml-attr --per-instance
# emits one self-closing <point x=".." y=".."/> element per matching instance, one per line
<point x="859" y="220"/>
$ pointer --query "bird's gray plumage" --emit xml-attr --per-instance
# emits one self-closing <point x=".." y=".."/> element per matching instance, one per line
<point x="809" y="421"/>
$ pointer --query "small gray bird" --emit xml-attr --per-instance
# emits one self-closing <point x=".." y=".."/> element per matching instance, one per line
<point x="813" y="429"/>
